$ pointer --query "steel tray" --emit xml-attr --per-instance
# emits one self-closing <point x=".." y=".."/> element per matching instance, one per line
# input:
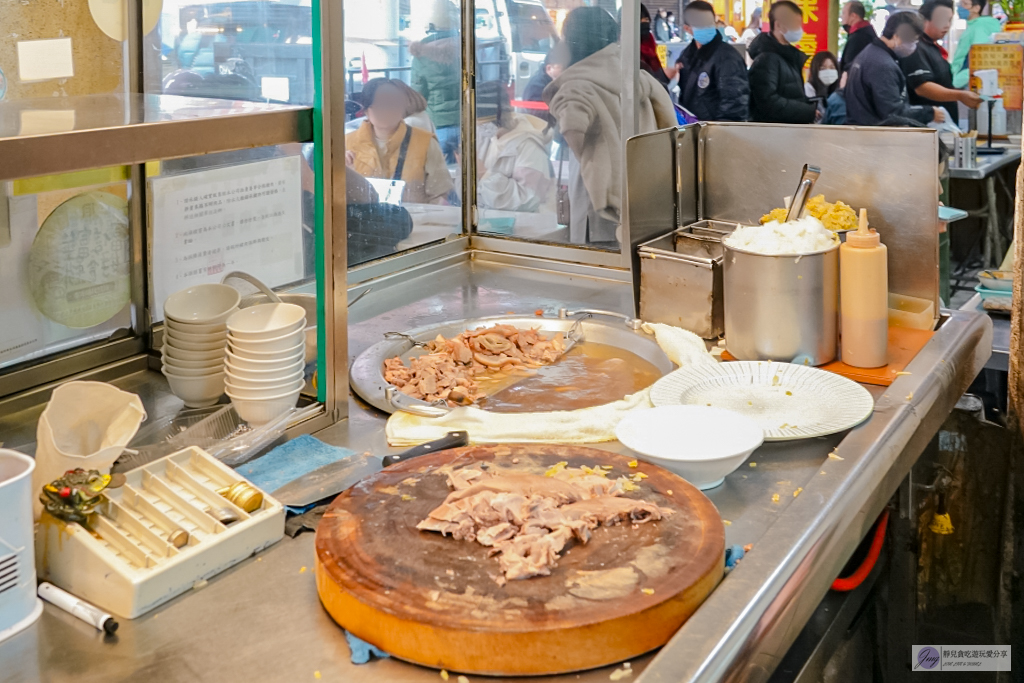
<point x="367" y="375"/>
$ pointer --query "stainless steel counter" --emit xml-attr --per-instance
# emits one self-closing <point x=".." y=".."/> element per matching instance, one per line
<point x="987" y="165"/>
<point x="1000" y="359"/>
<point x="261" y="620"/>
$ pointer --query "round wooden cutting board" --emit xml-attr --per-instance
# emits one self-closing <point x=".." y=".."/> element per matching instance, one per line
<point x="434" y="600"/>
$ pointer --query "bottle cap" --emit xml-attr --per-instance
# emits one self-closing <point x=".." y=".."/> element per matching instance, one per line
<point x="863" y="238"/>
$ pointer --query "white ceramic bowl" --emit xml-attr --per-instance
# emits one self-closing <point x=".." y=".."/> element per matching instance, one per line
<point x="240" y="363"/>
<point x="265" y="373"/>
<point x="208" y="304"/>
<point x="297" y="351"/>
<point x="195" y="328"/>
<point x="176" y="354"/>
<point x="261" y="411"/>
<point x="282" y="379"/>
<point x="175" y="343"/>
<point x="285" y="342"/>
<point x="699" y="443"/>
<point x="175" y="369"/>
<point x="196" y="392"/>
<point x="266" y="321"/>
<point x="263" y="394"/>
<point x="212" y="363"/>
<point x="194" y="338"/>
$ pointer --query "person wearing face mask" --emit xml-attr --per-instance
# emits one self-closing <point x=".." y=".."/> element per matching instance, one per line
<point x="979" y="31"/>
<point x="822" y="76"/>
<point x="776" y="75"/>
<point x="876" y="89"/>
<point x="713" y="82"/>
<point x="649" y="59"/>
<point x="859" y="30"/>
<point x="929" y="76"/>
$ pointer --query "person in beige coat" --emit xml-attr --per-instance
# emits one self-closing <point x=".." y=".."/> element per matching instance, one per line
<point x="585" y="102"/>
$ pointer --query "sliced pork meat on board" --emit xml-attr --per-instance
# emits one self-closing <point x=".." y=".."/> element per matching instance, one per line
<point x="528" y="519"/>
<point x="450" y="370"/>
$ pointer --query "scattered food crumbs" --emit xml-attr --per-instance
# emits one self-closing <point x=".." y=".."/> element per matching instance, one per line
<point x="669" y="492"/>
<point x="834" y="456"/>
<point x="822" y="472"/>
<point x="726" y="522"/>
<point x="406" y="497"/>
<point x="627" y="485"/>
<point x="900" y="374"/>
<point x="444" y="675"/>
<point x="647" y="591"/>
<point x="748" y="547"/>
<point x="510" y="312"/>
<point x="539" y="312"/>
<point x="606" y="467"/>
<point x="555" y="469"/>
<point x="633" y="463"/>
<point x="750" y="403"/>
<point x="910" y="396"/>
<point x="775" y="498"/>
<point x="201" y="583"/>
<point x="462" y="679"/>
<point x="259" y="559"/>
<point x="515" y="461"/>
<point x="619" y="674"/>
<point x="798" y="492"/>
<point x="626" y="665"/>
<point x="316" y="675"/>
<point x="449" y="572"/>
<point x="789" y="393"/>
<point x="753" y="464"/>
<point x="302" y="571"/>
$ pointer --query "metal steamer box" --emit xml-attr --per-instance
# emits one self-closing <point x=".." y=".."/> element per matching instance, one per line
<point x="681" y="278"/>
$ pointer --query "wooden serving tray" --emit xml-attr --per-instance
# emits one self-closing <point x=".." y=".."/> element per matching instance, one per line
<point x="433" y="600"/>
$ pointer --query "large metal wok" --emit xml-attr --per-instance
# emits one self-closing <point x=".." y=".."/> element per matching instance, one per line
<point x="367" y="372"/>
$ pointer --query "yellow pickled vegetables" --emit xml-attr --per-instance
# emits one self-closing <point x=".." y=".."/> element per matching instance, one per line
<point x="835" y="217"/>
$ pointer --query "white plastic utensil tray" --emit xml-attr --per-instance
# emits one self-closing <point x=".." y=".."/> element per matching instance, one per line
<point x="126" y="564"/>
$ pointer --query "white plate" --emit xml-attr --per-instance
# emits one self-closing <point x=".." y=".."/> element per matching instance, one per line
<point x="788" y="401"/>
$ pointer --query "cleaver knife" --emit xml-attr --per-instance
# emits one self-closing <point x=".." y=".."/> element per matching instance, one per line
<point x="333" y="478"/>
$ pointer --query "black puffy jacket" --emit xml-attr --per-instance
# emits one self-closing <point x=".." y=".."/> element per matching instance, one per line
<point x="713" y="82"/>
<point x="777" y="83"/>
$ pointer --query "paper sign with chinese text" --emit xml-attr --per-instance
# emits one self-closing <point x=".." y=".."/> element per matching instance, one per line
<point x="246" y="217"/>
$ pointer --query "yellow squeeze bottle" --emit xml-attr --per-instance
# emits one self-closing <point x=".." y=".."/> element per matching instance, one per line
<point x="864" y="298"/>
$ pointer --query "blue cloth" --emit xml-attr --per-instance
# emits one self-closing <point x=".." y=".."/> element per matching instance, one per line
<point x="361" y="650"/>
<point x="733" y="554"/>
<point x="289" y="461"/>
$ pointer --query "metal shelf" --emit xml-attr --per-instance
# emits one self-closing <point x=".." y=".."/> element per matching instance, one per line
<point x="60" y="135"/>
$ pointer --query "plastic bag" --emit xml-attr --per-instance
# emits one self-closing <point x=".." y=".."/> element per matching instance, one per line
<point x="87" y="425"/>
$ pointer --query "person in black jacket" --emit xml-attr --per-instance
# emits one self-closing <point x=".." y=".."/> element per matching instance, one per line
<point x="876" y="89"/>
<point x="860" y="30"/>
<point x="929" y="76"/>
<point x="713" y="81"/>
<point x="776" y="76"/>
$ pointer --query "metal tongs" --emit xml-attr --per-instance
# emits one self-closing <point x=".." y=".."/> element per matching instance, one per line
<point x="803" y="192"/>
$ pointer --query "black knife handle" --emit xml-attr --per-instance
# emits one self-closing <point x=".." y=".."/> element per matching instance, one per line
<point x="450" y="440"/>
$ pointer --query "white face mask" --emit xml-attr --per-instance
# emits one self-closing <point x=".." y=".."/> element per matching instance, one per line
<point x="828" y="76"/>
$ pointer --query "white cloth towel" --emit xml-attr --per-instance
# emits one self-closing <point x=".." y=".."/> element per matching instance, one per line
<point x="586" y="425"/>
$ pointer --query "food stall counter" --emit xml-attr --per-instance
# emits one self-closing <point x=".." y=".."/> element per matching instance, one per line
<point x="802" y="511"/>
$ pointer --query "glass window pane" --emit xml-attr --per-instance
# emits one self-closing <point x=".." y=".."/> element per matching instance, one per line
<point x="250" y="211"/>
<point x="549" y="134"/>
<point x="403" y="111"/>
<point x="65" y="263"/>
<point x="259" y="50"/>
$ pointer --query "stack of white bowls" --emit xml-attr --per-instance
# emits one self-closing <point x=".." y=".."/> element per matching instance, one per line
<point x="265" y="360"/>
<point x="195" y="333"/>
